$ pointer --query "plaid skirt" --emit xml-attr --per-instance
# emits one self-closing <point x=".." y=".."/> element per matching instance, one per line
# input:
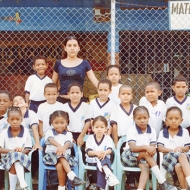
<point x="129" y="158"/>
<point x="8" y="160"/>
<point x="51" y="158"/>
<point x="171" y="159"/>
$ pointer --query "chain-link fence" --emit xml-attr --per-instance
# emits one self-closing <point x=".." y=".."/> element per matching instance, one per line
<point x="145" y="47"/>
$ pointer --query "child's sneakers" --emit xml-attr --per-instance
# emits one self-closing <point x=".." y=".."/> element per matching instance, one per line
<point x="77" y="181"/>
<point x="167" y="186"/>
<point x="112" y="180"/>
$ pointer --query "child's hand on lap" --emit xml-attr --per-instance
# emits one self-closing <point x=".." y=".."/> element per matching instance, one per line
<point x="18" y="149"/>
<point x="60" y="150"/>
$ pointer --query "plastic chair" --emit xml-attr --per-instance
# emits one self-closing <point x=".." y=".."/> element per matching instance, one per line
<point x="121" y="169"/>
<point x="42" y="176"/>
<point x="28" y="176"/>
<point x="84" y="167"/>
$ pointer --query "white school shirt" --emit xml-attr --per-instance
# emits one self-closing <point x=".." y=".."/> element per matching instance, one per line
<point x="60" y="138"/>
<point x="93" y="145"/>
<point x="184" y="106"/>
<point x="134" y="134"/>
<point x="103" y="109"/>
<point x="114" y="94"/>
<point x="122" y="118"/>
<point x="157" y="113"/>
<point x="23" y="140"/>
<point x="180" y="139"/>
<point x="35" y="87"/>
<point x="77" y="116"/>
<point x="30" y="118"/>
<point x="3" y="122"/>
<point x="45" y="110"/>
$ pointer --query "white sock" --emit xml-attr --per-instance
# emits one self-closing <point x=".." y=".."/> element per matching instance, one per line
<point x="12" y="181"/>
<point x="188" y="180"/>
<point x="161" y="179"/>
<point x="20" y="174"/>
<point x="61" y="187"/>
<point x="71" y="175"/>
<point x="107" y="171"/>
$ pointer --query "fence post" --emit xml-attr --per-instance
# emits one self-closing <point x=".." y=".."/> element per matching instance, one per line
<point x="112" y="32"/>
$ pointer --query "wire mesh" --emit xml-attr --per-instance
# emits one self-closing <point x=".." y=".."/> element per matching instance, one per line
<point x="146" y="49"/>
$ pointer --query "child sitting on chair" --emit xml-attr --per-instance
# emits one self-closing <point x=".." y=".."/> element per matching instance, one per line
<point x="142" y="140"/>
<point x="174" y="142"/>
<point x="98" y="148"/>
<point x="58" y="141"/>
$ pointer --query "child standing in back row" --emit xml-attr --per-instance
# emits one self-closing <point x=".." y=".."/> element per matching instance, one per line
<point x="142" y="142"/>
<point x="35" y="83"/>
<point x="156" y="107"/>
<point x="174" y="142"/>
<point x="102" y="105"/>
<point x="114" y="75"/>
<point x="78" y="113"/>
<point x="180" y="87"/>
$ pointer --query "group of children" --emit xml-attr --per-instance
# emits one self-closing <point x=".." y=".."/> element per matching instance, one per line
<point x="150" y="127"/>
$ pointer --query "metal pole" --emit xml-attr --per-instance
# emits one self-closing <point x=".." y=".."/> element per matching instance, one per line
<point x="112" y="32"/>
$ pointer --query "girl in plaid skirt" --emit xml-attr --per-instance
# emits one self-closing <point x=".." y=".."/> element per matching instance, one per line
<point x="58" y="142"/>
<point x="142" y="140"/>
<point x="174" y="142"/>
<point x="15" y="144"/>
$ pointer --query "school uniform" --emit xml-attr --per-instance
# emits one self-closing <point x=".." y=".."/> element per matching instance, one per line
<point x="35" y="88"/>
<point x="157" y="113"/>
<point x="30" y="118"/>
<point x="78" y="116"/>
<point x="7" y="141"/>
<point x="3" y="122"/>
<point x="93" y="145"/>
<point x="184" y="106"/>
<point x="134" y="134"/>
<point x="166" y="140"/>
<point x="122" y="118"/>
<point x="101" y="108"/>
<point x="114" y="94"/>
<point x="51" y="157"/>
<point x="45" y="110"/>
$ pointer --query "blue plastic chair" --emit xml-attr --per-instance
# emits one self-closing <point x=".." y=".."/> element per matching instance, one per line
<point x="28" y="176"/>
<point x="42" y="176"/>
<point x="84" y="167"/>
<point x="121" y="169"/>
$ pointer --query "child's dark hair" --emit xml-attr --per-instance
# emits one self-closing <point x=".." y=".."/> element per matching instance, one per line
<point x="125" y="86"/>
<point x="112" y="66"/>
<point x="155" y="84"/>
<point x="50" y="85"/>
<point x="39" y="57"/>
<point x="180" y="78"/>
<point x="7" y="93"/>
<point x="75" y="83"/>
<point x="100" y="118"/>
<point x="174" y="108"/>
<point x="140" y="108"/>
<point x="14" y="109"/>
<point x="59" y="113"/>
<point x="105" y="81"/>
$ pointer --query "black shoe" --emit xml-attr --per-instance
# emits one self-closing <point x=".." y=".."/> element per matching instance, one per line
<point x="167" y="186"/>
<point x="77" y="181"/>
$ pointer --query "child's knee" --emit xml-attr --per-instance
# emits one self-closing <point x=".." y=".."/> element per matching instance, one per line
<point x="144" y="167"/>
<point x="178" y="168"/>
<point x="59" y="167"/>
